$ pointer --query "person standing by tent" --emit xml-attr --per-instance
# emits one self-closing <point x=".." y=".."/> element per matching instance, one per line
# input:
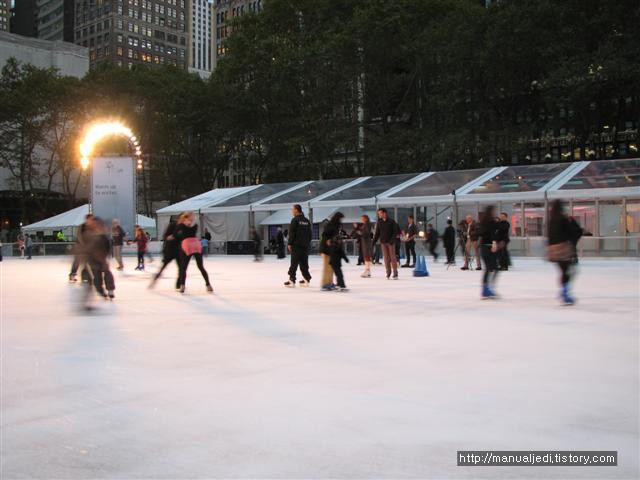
<point x="330" y="233"/>
<point x="410" y="242"/>
<point x="190" y="246"/>
<point x="28" y="245"/>
<point x="561" y="251"/>
<point x="488" y="249"/>
<point x="299" y="242"/>
<point x="280" y="244"/>
<point x="449" y="241"/>
<point x="118" y="237"/>
<point x="387" y="231"/>
<point x="502" y="237"/>
<point x="366" y="247"/>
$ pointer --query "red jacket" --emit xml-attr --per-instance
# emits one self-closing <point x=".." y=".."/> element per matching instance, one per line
<point x="142" y="240"/>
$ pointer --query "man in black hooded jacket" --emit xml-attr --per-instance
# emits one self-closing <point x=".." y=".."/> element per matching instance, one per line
<point x="299" y="242"/>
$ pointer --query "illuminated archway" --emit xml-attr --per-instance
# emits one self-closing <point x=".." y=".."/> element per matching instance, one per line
<point x="98" y="131"/>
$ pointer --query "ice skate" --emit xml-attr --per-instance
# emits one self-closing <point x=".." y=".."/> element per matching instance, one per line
<point x="209" y="289"/>
<point x="304" y="283"/>
<point x="290" y="283"/>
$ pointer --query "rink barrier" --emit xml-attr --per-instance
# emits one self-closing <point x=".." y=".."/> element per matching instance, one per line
<point x="618" y="246"/>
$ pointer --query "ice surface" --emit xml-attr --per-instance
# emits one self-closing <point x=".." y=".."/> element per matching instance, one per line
<point x="258" y="381"/>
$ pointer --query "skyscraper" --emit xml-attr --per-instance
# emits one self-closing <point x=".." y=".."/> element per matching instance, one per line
<point x="125" y="32"/>
<point x="55" y="20"/>
<point x="226" y="11"/>
<point x="200" y="38"/>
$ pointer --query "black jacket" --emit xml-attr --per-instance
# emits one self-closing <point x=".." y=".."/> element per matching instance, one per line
<point x="386" y="231"/>
<point x="562" y="230"/>
<point x="449" y="236"/>
<point x="331" y="231"/>
<point x="300" y="231"/>
<point x="183" y="231"/>
<point x="487" y="231"/>
<point x="502" y="234"/>
<point x="432" y="236"/>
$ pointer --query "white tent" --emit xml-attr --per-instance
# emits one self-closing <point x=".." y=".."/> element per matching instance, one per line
<point x="203" y="201"/>
<point x="68" y="222"/>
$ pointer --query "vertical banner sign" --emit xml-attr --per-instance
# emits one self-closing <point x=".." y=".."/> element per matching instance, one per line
<point x="113" y="193"/>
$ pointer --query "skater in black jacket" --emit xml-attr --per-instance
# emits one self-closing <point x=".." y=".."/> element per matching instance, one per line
<point x="488" y="249"/>
<point x="190" y="246"/>
<point x="502" y="237"/>
<point x="335" y="259"/>
<point x="169" y="253"/>
<point x="299" y="242"/>
<point x="563" y="237"/>
<point x="97" y="252"/>
<point x="280" y="243"/>
<point x="449" y="241"/>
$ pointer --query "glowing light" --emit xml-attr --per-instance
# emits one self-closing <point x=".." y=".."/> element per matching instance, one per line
<point x="100" y="130"/>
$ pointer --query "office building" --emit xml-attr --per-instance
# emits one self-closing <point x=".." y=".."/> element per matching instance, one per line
<point x="200" y="38"/>
<point x="225" y="12"/>
<point x="128" y="32"/>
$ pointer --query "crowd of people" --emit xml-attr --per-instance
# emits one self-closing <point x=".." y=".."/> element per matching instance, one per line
<point x="483" y="243"/>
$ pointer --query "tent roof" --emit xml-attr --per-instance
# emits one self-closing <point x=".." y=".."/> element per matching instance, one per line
<point x="75" y="217"/>
<point x="283" y="216"/>
<point x="204" y="200"/>
<point x="602" y="178"/>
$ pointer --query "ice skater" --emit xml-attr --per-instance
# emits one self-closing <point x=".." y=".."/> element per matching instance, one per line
<point x="280" y="244"/>
<point x="410" y="235"/>
<point x="336" y="256"/>
<point x="28" y="245"/>
<point x="471" y="247"/>
<point x="502" y="237"/>
<point x="170" y="249"/>
<point x="366" y="247"/>
<point x="488" y="248"/>
<point x="97" y="259"/>
<point x="80" y="251"/>
<point x="141" y="241"/>
<point x="387" y="231"/>
<point x="432" y="241"/>
<point x="561" y="248"/>
<point x="329" y="233"/>
<point x="257" y="244"/>
<point x="118" y="237"/>
<point x="190" y="246"/>
<point x="449" y="242"/>
<point x="299" y="239"/>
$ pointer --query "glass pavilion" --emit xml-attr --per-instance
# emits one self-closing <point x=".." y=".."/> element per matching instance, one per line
<point x="603" y="196"/>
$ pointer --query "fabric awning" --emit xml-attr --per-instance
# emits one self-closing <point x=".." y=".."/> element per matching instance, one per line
<point x="75" y="218"/>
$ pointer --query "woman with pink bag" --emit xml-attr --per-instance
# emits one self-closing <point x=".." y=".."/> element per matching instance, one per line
<point x="190" y="246"/>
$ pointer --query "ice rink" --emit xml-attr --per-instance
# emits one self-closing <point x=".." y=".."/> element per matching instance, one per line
<point x="388" y="380"/>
